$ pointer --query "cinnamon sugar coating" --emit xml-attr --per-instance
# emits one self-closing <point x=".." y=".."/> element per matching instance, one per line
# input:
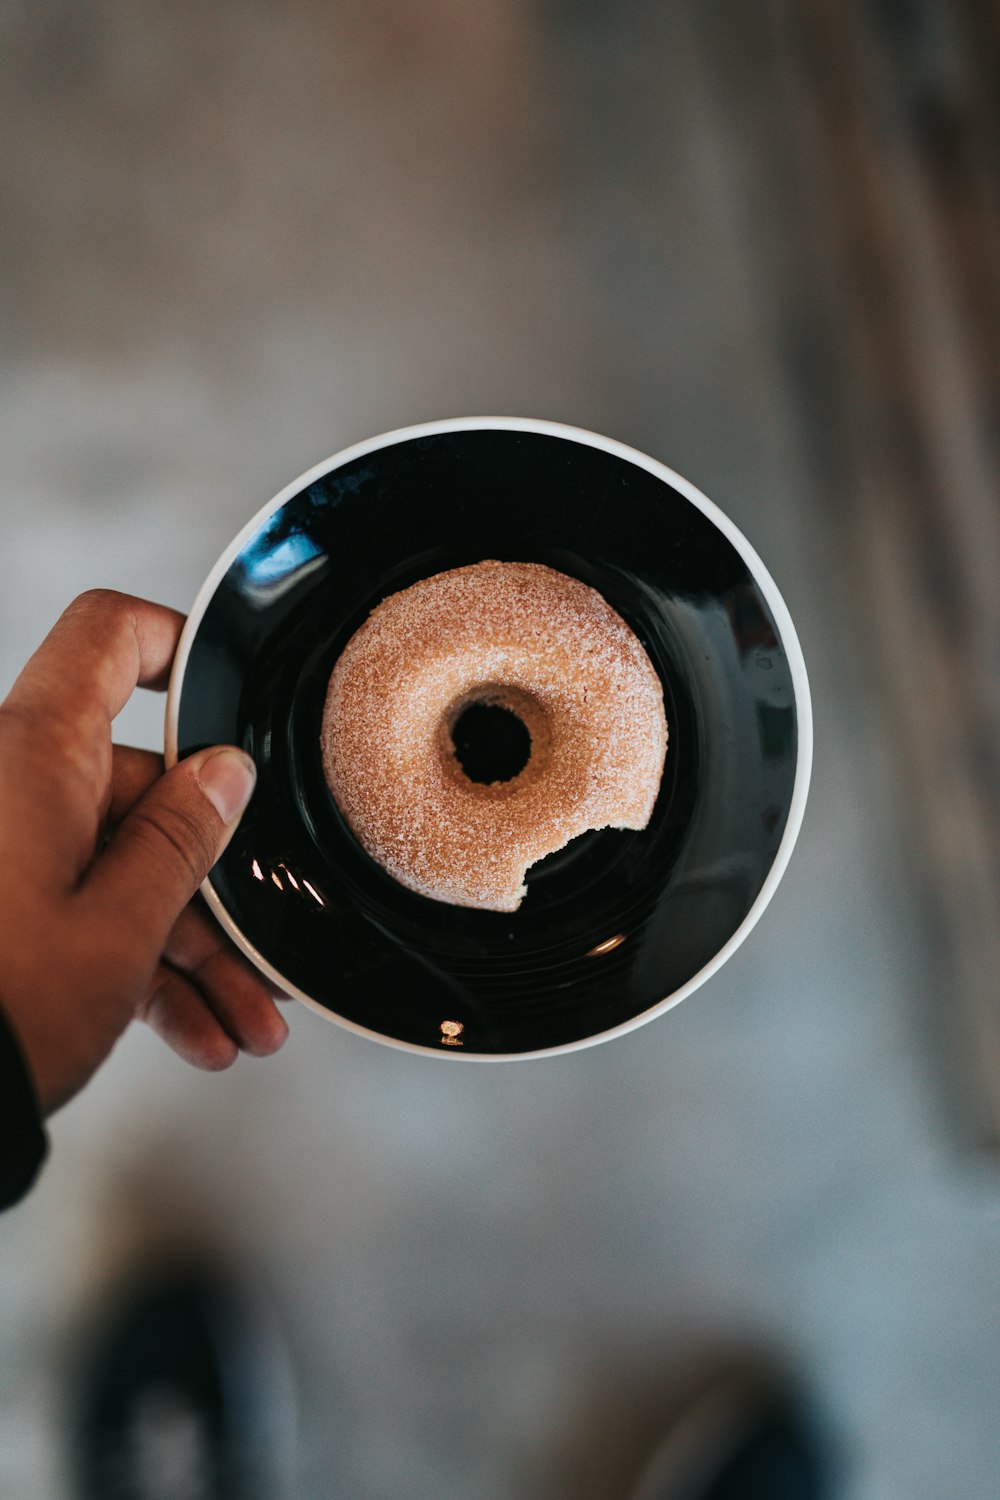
<point x="533" y="640"/>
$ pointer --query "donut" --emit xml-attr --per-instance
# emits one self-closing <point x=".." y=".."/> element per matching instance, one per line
<point x="509" y="635"/>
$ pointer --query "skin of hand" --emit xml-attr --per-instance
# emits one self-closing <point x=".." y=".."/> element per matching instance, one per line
<point x="102" y="854"/>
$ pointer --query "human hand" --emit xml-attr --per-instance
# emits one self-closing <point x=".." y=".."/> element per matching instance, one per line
<point x="102" y="854"/>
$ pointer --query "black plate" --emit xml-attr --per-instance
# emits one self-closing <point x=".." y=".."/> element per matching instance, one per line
<point x="617" y="925"/>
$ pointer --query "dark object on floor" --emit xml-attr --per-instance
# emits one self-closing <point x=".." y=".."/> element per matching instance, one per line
<point x="742" y="1437"/>
<point x="184" y="1394"/>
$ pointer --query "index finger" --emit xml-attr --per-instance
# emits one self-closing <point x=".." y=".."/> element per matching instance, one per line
<point x="101" y="648"/>
<point x="56" y="720"/>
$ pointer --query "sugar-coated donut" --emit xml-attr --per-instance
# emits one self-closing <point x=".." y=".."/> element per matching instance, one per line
<point x="532" y="640"/>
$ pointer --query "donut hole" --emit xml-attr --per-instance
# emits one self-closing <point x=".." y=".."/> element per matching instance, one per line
<point x="491" y="743"/>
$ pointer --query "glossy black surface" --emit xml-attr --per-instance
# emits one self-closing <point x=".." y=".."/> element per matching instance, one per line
<point x="613" y="923"/>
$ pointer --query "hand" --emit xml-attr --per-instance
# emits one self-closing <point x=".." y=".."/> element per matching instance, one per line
<point x="101" y="855"/>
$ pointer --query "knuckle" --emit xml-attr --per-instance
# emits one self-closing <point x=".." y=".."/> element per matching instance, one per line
<point x="176" y="833"/>
<point x="104" y="601"/>
<point x="14" y="715"/>
<point x="107" y="611"/>
<point x="34" y="716"/>
<point x="50" y="731"/>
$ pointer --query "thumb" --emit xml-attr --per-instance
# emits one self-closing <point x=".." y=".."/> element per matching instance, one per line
<point x="161" y="852"/>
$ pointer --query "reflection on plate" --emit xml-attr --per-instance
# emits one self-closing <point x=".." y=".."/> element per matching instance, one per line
<point x="616" y="926"/>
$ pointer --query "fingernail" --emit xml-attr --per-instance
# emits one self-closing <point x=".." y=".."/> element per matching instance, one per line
<point x="228" y="778"/>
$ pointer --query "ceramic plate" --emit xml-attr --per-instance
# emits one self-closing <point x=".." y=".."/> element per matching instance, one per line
<point x="617" y="926"/>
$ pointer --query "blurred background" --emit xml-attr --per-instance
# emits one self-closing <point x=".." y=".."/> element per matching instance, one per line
<point x="761" y="243"/>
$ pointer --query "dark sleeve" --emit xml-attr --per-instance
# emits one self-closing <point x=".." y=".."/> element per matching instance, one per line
<point x="23" y="1143"/>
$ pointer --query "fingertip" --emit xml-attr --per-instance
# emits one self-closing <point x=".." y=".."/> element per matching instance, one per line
<point x="177" y="1013"/>
<point x="217" y="1055"/>
<point x="269" y="1035"/>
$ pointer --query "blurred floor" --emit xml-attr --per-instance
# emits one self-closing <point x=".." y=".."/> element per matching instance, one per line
<point x="236" y="239"/>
